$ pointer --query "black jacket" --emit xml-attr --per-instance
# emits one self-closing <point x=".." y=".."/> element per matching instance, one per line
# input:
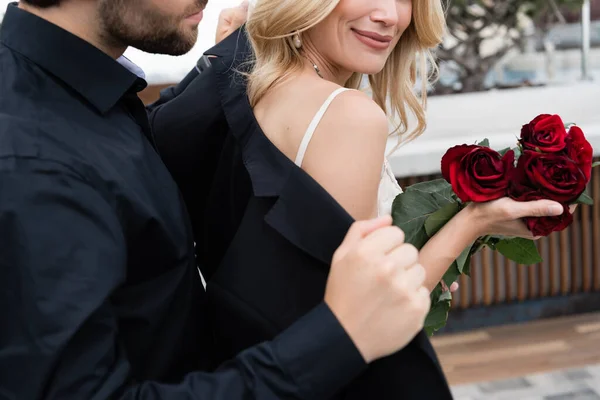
<point x="265" y="230"/>
<point x="100" y="296"/>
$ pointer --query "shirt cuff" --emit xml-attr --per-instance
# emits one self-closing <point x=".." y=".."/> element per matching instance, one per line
<point x="318" y="354"/>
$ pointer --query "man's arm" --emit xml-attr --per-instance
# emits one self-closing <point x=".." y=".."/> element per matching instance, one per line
<point x="63" y="254"/>
<point x="189" y="129"/>
<point x="171" y="92"/>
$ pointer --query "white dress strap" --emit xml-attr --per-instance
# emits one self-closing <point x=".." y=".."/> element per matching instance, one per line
<point x="314" y="124"/>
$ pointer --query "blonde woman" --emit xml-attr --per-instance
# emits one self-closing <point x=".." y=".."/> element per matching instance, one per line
<point x="298" y="153"/>
<point x="310" y="57"/>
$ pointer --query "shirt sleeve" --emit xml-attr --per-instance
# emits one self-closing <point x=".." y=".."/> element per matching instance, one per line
<point x="190" y="131"/>
<point x="171" y="92"/>
<point x="311" y="360"/>
<point x="63" y="253"/>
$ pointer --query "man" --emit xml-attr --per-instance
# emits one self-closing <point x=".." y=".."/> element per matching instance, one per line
<point x="100" y="296"/>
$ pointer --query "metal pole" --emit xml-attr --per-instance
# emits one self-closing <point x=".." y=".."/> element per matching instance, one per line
<point x="585" y="40"/>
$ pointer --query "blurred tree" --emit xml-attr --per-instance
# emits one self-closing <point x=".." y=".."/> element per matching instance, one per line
<point x="482" y="32"/>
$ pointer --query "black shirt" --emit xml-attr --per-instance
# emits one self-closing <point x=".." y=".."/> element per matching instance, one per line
<point x="100" y="296"/>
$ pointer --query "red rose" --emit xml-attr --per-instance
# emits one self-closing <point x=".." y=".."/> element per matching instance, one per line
<point x="580" y="151"/>
<point x="547" y="176"/>
<point x="541" y="226"/>
<point x="477" y="173"/>
<point x="545" y="133"/>
<point x="546" y="225"/>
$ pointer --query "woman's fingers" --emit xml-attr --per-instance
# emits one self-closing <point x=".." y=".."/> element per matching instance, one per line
<point x="537" y="208"/>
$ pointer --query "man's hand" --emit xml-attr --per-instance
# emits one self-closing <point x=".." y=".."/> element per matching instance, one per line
<point x="231" y="19"/>
<point x="375" y="288"/>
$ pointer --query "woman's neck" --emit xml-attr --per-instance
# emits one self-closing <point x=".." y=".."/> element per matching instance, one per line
<point x="319" y="65"/>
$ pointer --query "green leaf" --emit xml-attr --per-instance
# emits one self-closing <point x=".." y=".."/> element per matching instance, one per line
<point x="521" y="251"/>
<point x="463" y="262"/>
<point x="438" y="219"/>
<point x="594" y="165"/>
<point x="446" y="296"/>
<point x="504" y="151"/>
<point x="585" y="199"/>
<point x="409" y="211"/>
<point x="438" y="188"/>
<point x="451" y="274"/>
<point x="438" y="314"/>
<point x="467" y="267"/>
<point x="412" y="208"/>
<point x="484" y="142"/>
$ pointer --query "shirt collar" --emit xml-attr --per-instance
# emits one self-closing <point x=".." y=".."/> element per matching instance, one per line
<point x="86" y="69"/>
<point x="131" y="67"/>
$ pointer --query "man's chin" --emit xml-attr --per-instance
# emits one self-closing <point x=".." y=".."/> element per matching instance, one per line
<point x="173" y="46"/>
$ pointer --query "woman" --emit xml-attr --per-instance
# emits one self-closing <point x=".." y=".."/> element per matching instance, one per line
<point x="301" y="158"/>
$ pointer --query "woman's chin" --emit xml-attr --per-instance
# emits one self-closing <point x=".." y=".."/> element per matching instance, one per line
<point x="369" y="68"/>
<point x="370" y="71"/>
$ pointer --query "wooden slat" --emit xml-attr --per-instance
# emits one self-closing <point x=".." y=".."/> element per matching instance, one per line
<point x="543" y="268"/>
<point x="533" y="282"/>
<point x="485" y="275"/>
<point x="575" y="247"/>
<point x="585" y="245"/>
<point x="508" y="284"/>
<point x="596" y="227"/>
<point x="564" y="262"/>
<point x="521" y="282"/>
<point x="497" y="278"/>
<point x="475" y="299"/>
<point x="464" y="292"/>
<point x="552" y="265"/>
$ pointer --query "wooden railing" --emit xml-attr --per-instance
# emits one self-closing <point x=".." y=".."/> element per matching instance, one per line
<point x="571" y="262"/>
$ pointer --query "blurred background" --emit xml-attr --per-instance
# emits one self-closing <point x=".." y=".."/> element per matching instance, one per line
<point x="515" y="331"/>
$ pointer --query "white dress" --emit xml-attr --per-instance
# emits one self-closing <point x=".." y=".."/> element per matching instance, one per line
<point x="388" y="187"/>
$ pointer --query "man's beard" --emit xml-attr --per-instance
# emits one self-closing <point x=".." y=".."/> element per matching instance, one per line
<point x="130" y="23"/>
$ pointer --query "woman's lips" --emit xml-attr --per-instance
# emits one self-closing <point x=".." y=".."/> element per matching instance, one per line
<point x="373" y="40"/>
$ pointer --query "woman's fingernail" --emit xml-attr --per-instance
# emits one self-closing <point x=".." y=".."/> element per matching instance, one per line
<point x="555" y="209"/>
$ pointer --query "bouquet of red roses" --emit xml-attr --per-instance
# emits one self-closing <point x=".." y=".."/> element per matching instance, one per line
<point x="551" y="161"/>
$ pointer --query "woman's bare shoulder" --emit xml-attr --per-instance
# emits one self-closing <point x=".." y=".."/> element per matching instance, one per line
<point x="354" y="113"/>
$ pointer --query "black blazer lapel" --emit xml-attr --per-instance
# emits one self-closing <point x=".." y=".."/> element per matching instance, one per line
<point x="306" y="215"/>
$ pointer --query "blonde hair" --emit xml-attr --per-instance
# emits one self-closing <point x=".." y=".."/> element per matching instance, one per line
<point x="273" y="23"/>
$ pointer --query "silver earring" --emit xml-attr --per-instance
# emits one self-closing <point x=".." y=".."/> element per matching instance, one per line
<point x="297" y="41"/>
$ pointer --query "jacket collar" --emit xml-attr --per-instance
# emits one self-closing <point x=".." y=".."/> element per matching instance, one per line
<point x="86" y="69"/>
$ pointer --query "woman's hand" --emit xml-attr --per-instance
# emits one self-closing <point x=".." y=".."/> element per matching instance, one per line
<point x="230" y="20"/>
<point x="504" y="216"/>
